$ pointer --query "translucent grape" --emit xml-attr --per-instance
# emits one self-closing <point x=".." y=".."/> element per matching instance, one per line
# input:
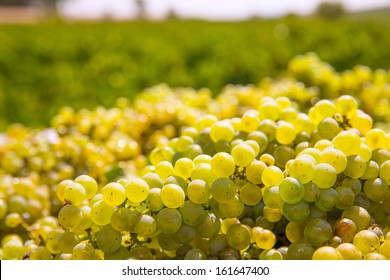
<point x="172" y="195"/>
<point x="223" y="189"/>
<point x="317" y="232"/>
<point x="146" y="226"/>
<point x="272" y="176"/>
<point x="296" y="212"/>
<point x="285" y="133"/>
<point x="358" y="215"/>
<point x="367" y="241"/>
<point x="348" y="142"/>
<point x="264" y="238"/>
<point x="66" y="242"/>
<point x="271" y="197"/>
<point x="324" y="176"/>
<point x="327" y="253"/>
<point x="183" y="167"/>
<point x="137" y="190"/>
<point x="250" y="194"/>
<point x="123" y="219"/>
<point x="89" y="184"/>
<point x="192" y="214"/>
<point x="349" y="251"/>
<point x="334" y="157"/>
<point x="222" y="164"/>
<point x="69" y="216"/>
<point x="108" y="240"/>
<point x="113" y="194"/>
<point x="153" y="200"/>
<point x="376" y="189"/>
<point x="83" y="251"/>
<point x="254" y="171"/>
<point x="243" y="154"/>
<point x="221" y="130"/>
<point x="231" y="208"/>
<point x="302" y="169"/>
<point x="291" y="190"/>
<point x="101" y="213"/>
<point x="238" y="236"/>
<point x="74" y="193"/>
<point x="356" y="166"/>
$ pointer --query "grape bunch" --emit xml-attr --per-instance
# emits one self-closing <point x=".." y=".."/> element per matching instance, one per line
<point x="270" y="172"/>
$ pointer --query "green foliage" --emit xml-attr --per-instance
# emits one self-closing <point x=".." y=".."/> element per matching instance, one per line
<point x="46" y="66"/>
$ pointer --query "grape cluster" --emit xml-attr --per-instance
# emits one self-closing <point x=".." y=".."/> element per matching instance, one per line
<point x="268" y="172"/>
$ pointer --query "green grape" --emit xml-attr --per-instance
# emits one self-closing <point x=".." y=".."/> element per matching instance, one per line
<point x="153" y="180"/>
<point x="183" y="167"/>
<point x="183" y="142"/>
<point x="312" y="192"/>
<point x="269" y="110"/>
<point x="168" y="220"/>
<point x="335" y="158"/>
<point x="254" y="145"/>
<point x="272" y="215"/>
<point x="268" y="127"/>
<point x="227" y="222"/>
<point x="203" y="172"/>
<point x="291" y="190"/>
<point x="198" y="191"/>
<point x="327" y="199"/>
<point x="324" y="109"/>
<point x="13" y="220"/>
<point x="250" y="121"/>
<point x="185" y="234"/>
<point x="384" y="171"/>
<point x="191" y="213"/>
<point x="209" y="227"/>
<point x="366" y="241"/>
<point x="243" y="154"/>
<point x="146" y="226"/>
<point x="345" y="197"/>
<point x="161" y="154"/>
<point x="238" y="236"/>
<point x="264" y="238"/>
<point x="202" y="159"/>
<point x="282" y="155"/>
<point x="222" y="146"/>
<point x="121" y="254"/>
<point x="51" y="241"/>
<point x="66" y="241"/>
<point x="12" y="247"/>
<point x="271" y="197"/>
<point x="70" y="216"/>
<point x="374" y="256"/>
<point x="376" y="139"/>
<point x="250" y="194"/>
<point x="272" y="176"/>
<point x="348" y="142"/>
<point x="205" y="121"/>
<point x="17" y="204"/>
<point x="172" y="195"/>
<point x="108" y="240"/>
<point x="221" y="130"/>
<point x="358" y="215"/>
<point x="356" y="166"/>
<point x="141" y="253"/>
<point x="296" y="212"/>
<point x="223" y="189"/>
<point x="327" y="253"/>
<point x="349" y="251"/>
<point x="164" y="169"/>
<point x="123" y="219"/>
<point x="83" y="251"/>
<point x="285" y="133"/>
<point x="328" y="128"/>
<point x="193" y="151"/>
<point x="324" y="176"/>
<point x="322" y="144"/>
<point x="60" y="189"/>
<point x="153" y="200"/>
<point x="113" y="194"/>
<point x="261" y="221"/>
<point x="254" y="170"/>
<point x="217" y="244"/>
<point x="384" y="249"/>
<point x="362" y="122"/>
<point x="3" y="209"/>
<point x="40" y="253"/>
<point x="346" y="105"/>
<point x="294" y="231"/>
<point x="89" y="184"/>
<point x="317" y="232"/>
<point x="222" y="164"/>
<point x="195" y="254"/>
<point x="365" y="152"/>
<point x="260" y="139"/>
<point x="177" y="180"/>
<point x="137" y="190"/>
<point x="267" y="159"/>
<point x="74" y="193"/>
<point x="167" y="242"/>
<point x="101" y="213"/>
<point x="354" y="184"/>
<point x="372" y="170"/>
<point x="376" y="189"/>
<point x="231" y="208"/>
<point x="271" y="254"/>
<point x="302" y="169"/>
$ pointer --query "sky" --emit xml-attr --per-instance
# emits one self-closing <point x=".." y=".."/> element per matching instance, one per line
<point x="207" y="9"/>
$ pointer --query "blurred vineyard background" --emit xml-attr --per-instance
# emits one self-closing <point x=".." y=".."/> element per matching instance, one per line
<point x="53" y="62"/>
